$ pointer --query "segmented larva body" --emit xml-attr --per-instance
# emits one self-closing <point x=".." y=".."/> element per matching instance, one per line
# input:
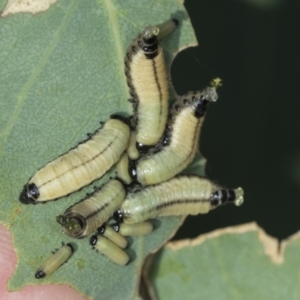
<point x="88" y="215"/>
<point x="109" y="249"/>
<point x="182" y="195"/>
<point x="138" y="229"/>
<point x="178" y="147"/>
<point x="113" y="235"/>
<point x="147" y="79"/>
<point x="55" y="261"/>
<point x="80" y="166"/>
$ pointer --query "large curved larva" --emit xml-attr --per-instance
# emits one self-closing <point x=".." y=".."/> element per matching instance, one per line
<point x="148" y="83"/>
<point x="178" y="147"/>
<point x="109" y="249"/>
<point x="80" y="166"/>
<point x="55" y="261"/>
<point x="182" y="195"/>
<point x="89" y="214"/>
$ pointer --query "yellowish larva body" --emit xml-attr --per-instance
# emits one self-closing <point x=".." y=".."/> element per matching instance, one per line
<point x="180" y="142"/>
<point x="88" y="215"/>
<point x="182" y="195"/>
<point x="138" y="229"/>
<point x="174" y="158"/>
<point x="54" y="261"/>
<point x="109" y="249"/>
<point x="147" y="79"/>
<point x="166" y="28"/>
<point x="114" y="236"/>
<point x="80" y="166"/>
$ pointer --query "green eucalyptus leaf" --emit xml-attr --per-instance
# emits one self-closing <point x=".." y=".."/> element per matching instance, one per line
<point x="62" y="73"/>
<point x="239" y="262"/>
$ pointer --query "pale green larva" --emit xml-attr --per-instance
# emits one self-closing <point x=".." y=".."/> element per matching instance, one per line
<point x="80" y="166"/>
<point x="182" y="195"/>
<point x="147" y="79"/>
<point x="89" y="214"/>
<point x="138" y="229"/>
<point x="114" y="236"/>
<point x="180" y="142"/>
<point x="55" y="261"/>
<point x="109" y="249"/>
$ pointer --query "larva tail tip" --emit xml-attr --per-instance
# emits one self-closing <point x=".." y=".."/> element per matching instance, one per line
<point x="210" y="94"/>
<point x="216" y="82"/>
<point x="150" y="31"/>
<point x="239" y="194"/>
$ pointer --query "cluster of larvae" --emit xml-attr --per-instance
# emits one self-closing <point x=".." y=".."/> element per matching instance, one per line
<point x="149" y="150"/>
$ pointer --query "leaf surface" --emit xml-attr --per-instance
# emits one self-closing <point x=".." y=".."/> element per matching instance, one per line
<point x="61" y="74"/>
<point x="239" y="262"/>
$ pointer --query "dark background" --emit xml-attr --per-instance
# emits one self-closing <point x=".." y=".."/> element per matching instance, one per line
<point x="251" y="135"/>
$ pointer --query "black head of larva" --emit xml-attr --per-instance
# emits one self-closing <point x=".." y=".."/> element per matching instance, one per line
<point x="132" y="170"/>
<point x="143" y="149"/>
<point x="101" y="229"/>
<point x="71" y="247"/>
<point x="116" y="227"/>
<point x="39" y="274"/>
<point x="29" y="194"/>
<point x="118" y="216"/>
<point x="93" y="240"/>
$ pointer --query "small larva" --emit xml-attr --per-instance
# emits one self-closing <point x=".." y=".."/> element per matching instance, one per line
<point x="182" y="195"/>
<point x="180" y="141"/>
<point x="89" y="214"/>
<point x="147" y="80"/>
<point x="113" y="235"/>
<point x="137" y="229"/>
<point x="55" y="261"/>
<point x="109" y="249"/>
<point x="80" y="166"/>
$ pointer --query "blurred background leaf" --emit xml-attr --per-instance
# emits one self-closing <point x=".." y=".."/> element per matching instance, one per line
<point x="230" y="263"/>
